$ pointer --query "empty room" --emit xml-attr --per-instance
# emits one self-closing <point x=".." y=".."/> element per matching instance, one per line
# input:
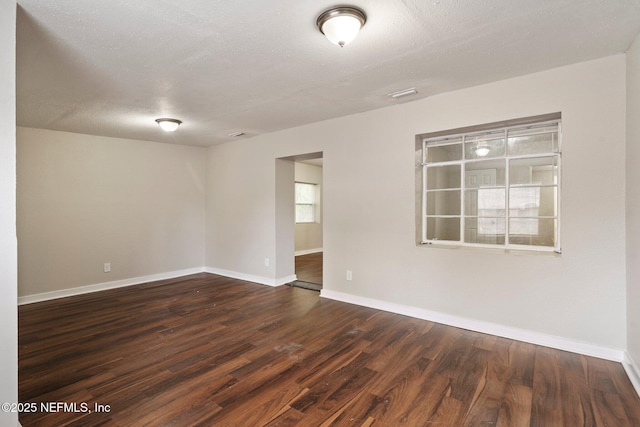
<point x="462" y="173"/>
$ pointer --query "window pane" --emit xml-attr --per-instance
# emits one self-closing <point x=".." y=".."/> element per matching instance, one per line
<point x="304" y="213"/>
<point x="305" y="193"/>
<point x="493" y="187"/>
<point x="533" y="231"/>
<point x="532" y="201"/>
<point x="540" y="171"/>
<point x="485" y="202"/>
<point x="443" y="229"/>
<point x="484" y="147"/>
<point x="490" y="173"/>
<point x="441" y="177"/>
<point x="444" y="153"/>
<point x="533" y="140"/>
<point x="488" y="231"/>
<point x="443" y="202"/>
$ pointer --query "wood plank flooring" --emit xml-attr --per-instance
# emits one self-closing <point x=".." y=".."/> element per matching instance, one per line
<point x="309" y="268"/>
<point x="211" y="351"/>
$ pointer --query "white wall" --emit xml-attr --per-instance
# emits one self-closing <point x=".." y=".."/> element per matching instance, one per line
<point x="285" y="219"/>
<point x="86" y="200"/>
<point x="8" y="244"/>
<point x="368" y="213"/>
<point x="308" y="236"/>
<point x="633" y="201"/>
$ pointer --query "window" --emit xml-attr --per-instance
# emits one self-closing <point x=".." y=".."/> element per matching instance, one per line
<point x="305" y="202"/>
<point x="492" y="186"/>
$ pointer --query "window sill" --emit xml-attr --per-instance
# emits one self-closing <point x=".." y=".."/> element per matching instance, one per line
<point x="484" y="249"/>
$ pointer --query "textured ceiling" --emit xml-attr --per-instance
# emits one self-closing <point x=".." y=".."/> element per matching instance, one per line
<point x="111" y="68"/>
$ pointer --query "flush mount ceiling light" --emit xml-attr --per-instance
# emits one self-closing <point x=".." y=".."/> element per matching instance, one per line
<point x="341" y="24"/>
<point x="405" y="92"/>
<point x="169" y="125"/>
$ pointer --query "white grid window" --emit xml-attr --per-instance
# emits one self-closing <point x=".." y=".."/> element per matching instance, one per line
<point x="493" y="188"/>
<point x="305" y="202"/>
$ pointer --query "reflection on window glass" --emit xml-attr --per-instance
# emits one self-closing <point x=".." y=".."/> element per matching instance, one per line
<point x="444" y="229"/>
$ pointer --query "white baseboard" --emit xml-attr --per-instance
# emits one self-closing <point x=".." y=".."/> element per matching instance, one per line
<point x="308" y="251"/>
<point x="251" y="278"/>
<point x="45" y="296"/>
<point x="483" y="327"/>
<point x="285" y="280"/>
<point x="633" y="372"/>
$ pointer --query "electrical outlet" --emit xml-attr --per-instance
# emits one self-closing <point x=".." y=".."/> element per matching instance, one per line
<point x="107" y="267"/>
<point x="266" y="262"/>
<point x="349" y="275"/>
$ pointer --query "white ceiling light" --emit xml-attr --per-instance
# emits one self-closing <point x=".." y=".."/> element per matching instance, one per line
<point x="341" y="24"/>
<point x="169" y="125"/>
<point x="405" y="92"/>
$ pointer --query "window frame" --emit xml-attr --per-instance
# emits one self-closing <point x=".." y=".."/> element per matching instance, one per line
<point x="312" y="204"/>
<point x="457" y="136"/>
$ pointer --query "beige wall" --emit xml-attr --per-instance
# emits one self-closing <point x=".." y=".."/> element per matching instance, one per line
<point x="633" y="201"/>
<point x="309" y="236"/>
<point x="87" y="200"/>
<point x="285" y="218"/>
<point x="8" y="244"/>
<point x="241" y="211"/>
<point x="369" y="207"/>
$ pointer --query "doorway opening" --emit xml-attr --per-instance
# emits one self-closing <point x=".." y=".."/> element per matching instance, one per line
<point x="299" y="220"/>
<point x="308" y="247"/>
<point x="309" y="271"/>
<point x="299" y="213"/>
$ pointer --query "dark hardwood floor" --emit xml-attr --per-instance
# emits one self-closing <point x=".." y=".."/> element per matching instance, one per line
<point x="309" y="268"/>
<point x="212" y="351"/>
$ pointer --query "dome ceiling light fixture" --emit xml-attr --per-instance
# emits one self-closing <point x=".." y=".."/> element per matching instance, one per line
<point x="341" y="24"/>
<point x="168" y="125"/>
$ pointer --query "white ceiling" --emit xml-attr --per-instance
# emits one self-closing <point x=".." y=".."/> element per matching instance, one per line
<point x="257" y="66"/>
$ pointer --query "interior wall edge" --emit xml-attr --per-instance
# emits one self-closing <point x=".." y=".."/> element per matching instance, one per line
<point x="632" y="370"/>
<point x="8" y="240"/>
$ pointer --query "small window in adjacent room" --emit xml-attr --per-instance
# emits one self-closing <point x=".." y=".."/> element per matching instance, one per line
<point x="494" y="185"/>
<point x="305" y="202"/>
